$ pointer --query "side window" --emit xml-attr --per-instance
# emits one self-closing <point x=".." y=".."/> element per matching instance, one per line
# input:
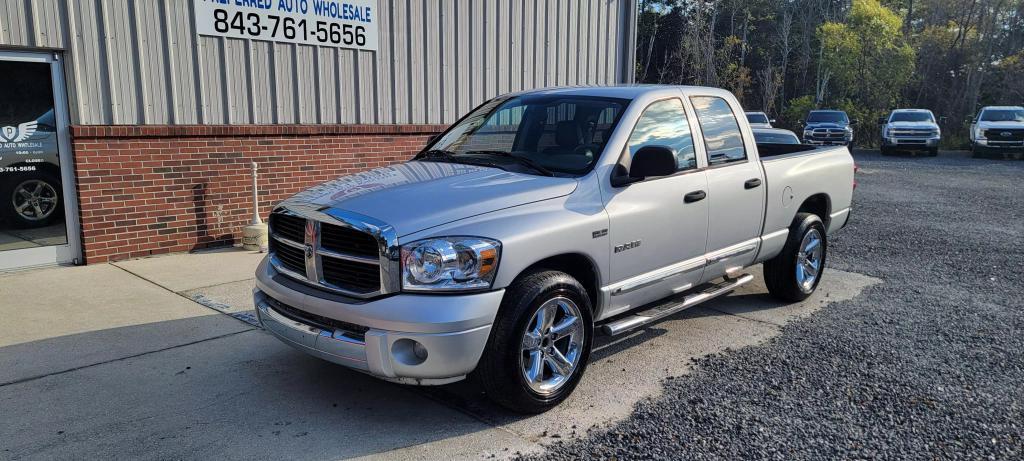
<point x="664" y="123"/>
<point x="722" y="136"/>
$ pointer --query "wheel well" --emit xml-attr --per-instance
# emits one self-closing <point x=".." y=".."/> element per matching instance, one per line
<point x="818" y="204"/>
<point x="579" y="267"/>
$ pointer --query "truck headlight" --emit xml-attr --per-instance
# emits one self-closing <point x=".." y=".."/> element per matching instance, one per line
<point x="979" y="134"/>
<point x="450" y="264"/>
<point x="808" y="133"/>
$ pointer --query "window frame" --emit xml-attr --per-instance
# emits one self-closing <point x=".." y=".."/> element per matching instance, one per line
<point x="743" y="136"/>
<point x="693" y="133"/>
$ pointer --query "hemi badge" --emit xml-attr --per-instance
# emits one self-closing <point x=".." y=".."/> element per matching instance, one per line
<point x="600" y="233"/>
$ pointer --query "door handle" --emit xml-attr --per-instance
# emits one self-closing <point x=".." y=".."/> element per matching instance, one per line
<point x="752" y="183"/>
<point x="695" y="196"/>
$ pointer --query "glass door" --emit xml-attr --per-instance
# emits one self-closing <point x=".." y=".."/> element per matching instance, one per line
<point x="38" y="207"/>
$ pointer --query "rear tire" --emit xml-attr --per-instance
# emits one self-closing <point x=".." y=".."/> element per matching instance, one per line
<point x="522" y="336"/>
<point x="786" y="275"/>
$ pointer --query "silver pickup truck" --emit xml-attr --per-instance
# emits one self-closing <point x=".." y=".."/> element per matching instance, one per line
<point x="538" y="220"/>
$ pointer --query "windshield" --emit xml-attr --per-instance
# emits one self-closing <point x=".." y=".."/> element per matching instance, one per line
<point x="827" y="116"/>
<point x="912" y="117"/>
<point x="757" y="118"/>
<point x="562" y="134"/>
<point x="765" y="137"/>
<point x="1003" y="115"/>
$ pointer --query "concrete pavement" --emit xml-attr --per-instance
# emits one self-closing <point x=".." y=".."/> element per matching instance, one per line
<point x="137" y="360"/>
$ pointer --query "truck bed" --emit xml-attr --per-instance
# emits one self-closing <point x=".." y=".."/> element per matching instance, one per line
<point x="772" y="150"/>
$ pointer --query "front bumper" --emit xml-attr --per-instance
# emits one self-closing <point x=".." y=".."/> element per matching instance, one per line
<point x="820" y="142"/>
<point x="911" y="143"/>
<point x="451" y="329"/>
<point x="984" y="145"/>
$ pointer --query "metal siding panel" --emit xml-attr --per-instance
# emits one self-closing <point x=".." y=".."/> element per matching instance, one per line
<point x="491" y="43"/>
<point x="15" y="24"/>
<point x="400" y="60"/>
<point x="365" y="85"/>
<point x="211" y="80"/>
<point x="121" y="64"/>
<point x="327" y="87"/>
<point x="449" y="55"/>
<point x="503" y="35"/>
<point x="611" y="76"/>
<point x="414" y="73"/>
<point x="181" y="50"/>
<point x="384" y="83"/>
<point x="346" y="76"/>
<point x="132" y="62"/>
<point x="284" y="85"/>
<point x="150" y="42"/>
<point x="463" y="71"/>
<point x="306" y="84"/>
<point x="47" y="16"/>
<point x="434" y="91"/>
<point x="477" y="66"/>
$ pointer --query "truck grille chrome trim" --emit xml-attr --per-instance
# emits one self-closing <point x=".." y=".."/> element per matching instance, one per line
<point x="347" y="267"/>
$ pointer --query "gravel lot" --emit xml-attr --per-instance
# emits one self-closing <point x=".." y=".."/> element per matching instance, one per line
<point x="928" y="364"/>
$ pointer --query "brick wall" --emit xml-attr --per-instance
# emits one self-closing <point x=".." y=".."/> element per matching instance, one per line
<point x="147" y="190"/>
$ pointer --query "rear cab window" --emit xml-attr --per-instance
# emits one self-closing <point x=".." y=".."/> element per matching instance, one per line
<point x="723" y="139"/>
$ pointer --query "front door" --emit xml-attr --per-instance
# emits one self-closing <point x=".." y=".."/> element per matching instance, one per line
<point x="38" y="211"/>
<point x="658" y="237"/>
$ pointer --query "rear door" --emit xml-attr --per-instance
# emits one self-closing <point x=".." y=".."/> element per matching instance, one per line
<point x="735" y="186"/>
<point x="657" y="237"/>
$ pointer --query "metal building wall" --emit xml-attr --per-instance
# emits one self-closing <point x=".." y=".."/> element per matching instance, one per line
<point x="140" y="61"/>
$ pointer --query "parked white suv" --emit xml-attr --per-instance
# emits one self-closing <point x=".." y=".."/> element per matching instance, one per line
<point x="539" y="220"/>
<point x="998" y="129"/>
<point x="910" y="130"/>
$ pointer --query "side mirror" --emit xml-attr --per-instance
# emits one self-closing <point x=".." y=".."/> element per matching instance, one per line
<point x="853" y="122"/>
<point x="881" y="120"/>
<point x="649" y="161"/>
<point x="771" y="120"/>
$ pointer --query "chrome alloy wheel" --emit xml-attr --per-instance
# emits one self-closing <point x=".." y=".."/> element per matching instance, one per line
<point x="808" y="260"/>
<point x="552" y="345"/>
<point x="34" y="200"/>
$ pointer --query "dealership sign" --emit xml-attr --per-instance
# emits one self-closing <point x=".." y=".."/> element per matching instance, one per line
<point x="334" y="23"/>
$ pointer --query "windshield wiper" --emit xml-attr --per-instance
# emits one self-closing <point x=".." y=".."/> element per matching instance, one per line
<point x="525" y="161"/>
<point x="436" y="154"/>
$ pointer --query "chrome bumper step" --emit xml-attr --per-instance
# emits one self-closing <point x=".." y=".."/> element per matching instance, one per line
<point x="674" y="305"/>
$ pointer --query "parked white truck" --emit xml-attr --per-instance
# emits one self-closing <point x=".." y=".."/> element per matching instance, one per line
<point x="910" y="130"/>
<point x="539" y="220"/>
<point x="998" y="130"/>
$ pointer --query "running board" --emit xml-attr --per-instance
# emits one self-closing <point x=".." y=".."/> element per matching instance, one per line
<point x="673" y="305"/>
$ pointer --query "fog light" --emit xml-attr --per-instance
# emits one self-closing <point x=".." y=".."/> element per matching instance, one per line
<point x="419" y="350"/>
<point x="408" y="352"/>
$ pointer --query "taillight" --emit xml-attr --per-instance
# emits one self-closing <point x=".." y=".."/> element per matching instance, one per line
<point x="855" y="170"/>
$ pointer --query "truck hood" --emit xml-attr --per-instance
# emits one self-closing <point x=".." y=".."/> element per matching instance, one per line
<point x="417" y="195"/>
<point x="1000" y="125"/>
<point x="918" y="125"/>
<point x="825" y="125"/>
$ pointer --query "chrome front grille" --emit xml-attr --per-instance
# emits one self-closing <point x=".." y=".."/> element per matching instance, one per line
<point x="830" y="134"/>
<point x="913" y="133"/>
<point x="331" y="249"/>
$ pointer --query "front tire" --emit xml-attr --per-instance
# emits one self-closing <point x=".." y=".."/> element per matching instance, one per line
<point x="540" y="343"/>
<point x="933" y="152"/>
<point x="794" y="274"/>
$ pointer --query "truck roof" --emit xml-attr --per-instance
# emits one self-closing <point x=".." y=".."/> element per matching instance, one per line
<point x="622" y="91"/>
<point x="911" y="110"/>
<point x="1002" y="108"/>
